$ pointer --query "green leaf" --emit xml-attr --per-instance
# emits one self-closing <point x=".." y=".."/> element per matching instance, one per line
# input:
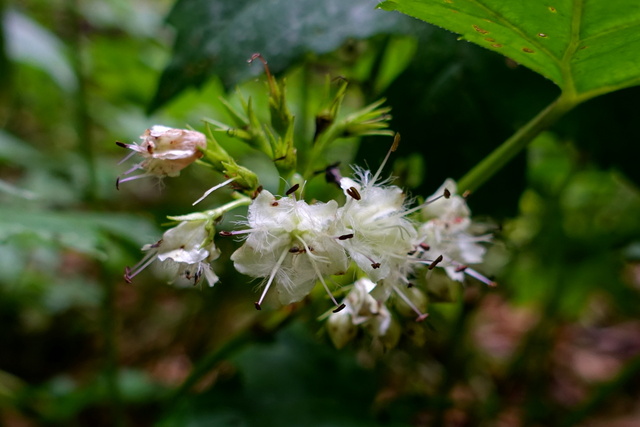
<point x="218" y="37"/>
<point x="586" y="47"/>
<point x="84" y="232"/>
<point x="32" y="44"/>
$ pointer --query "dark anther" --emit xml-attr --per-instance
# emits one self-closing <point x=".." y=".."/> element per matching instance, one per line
<point x="435" y="262"/>
<point x="409" y="285"/>
<point x="375" y="265"/>
<point x="118" y="183"/>
<point x="226" y="233"/>
<point x="396" y="142"/>
<point x="293" y="189"/>
<point x="345" y="236"/>
<point x="156" y="244"/>
<point x="258" y="191"/>
<point x="127" y="274"/>
<point x="461" y="268"/>
<point x="340" y="307"/>
<point x="257" y="305"/>
<point x="353" y="192"/>
<point x="275" y="203"/>
<point x="150" y="149"/>
<point x="424" y="246"/>
<point x="121" y="144"/>
<point x="297" y="250"/>
<point x="422" y="317"/>
<point x="196" y="277"/>
<point x="322" y="123"/>
<point x="447" y="193"/>
<point x="332" y="174"/>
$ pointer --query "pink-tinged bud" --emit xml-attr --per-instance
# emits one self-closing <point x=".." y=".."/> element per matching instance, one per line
<point x="166" y="151"/>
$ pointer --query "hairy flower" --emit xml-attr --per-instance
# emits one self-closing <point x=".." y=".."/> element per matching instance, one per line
<point x="291" y="244"/>
<point x="374" y="217"/>
<point x="165" y="151"/>
<point x="362" y="310"/>
<point x="184" y="251"/>
<point x="446" y="233"/>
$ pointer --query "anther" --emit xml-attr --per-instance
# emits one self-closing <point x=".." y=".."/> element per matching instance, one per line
<point x="339" y="308"/>
<point x="122" y="144"/>
<point x="293" y="189"/>
<point x="127" y="275"/>
<point x="258" y="191"/>
<point x="409" y="285"/>
<point x="353" y="192"/>
<point x="118" y="183"/>
<point x="435" y="262"/>
<point x="375" y="265"/>
<point x="447" y="193"/>
<point x="424" y="246"/>
<point x="226" y="233"/>
<point x="396" y="142"/>
<point x="422" y="317"/>
<point x="275" y="203"/>
<point x="257" y="305"/>
<point x="461" y="268"/>
<point x="345" y="236"/>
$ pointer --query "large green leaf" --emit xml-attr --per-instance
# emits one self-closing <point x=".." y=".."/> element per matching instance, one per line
<point x="587" y="47"/>
<point x="217" y="37"/>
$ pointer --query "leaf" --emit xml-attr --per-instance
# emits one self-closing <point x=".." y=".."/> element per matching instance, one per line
<point x="81" y="231"/>
<point x="32" y="44"/>
<point x="218" y="37"/>
<point x="586" y="47"/>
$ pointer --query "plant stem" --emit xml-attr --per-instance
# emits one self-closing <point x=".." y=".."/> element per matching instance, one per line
<point x="518" y="141"/>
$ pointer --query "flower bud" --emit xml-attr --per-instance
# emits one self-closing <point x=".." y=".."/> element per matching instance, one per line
<point x="166" y="151"/>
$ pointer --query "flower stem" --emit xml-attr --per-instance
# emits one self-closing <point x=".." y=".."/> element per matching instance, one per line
<point x="518" y="141"/>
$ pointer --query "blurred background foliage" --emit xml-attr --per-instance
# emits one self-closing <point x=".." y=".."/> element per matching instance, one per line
<point x="557" y="343"/>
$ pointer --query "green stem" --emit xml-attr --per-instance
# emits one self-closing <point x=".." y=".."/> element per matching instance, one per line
<point x="518" y="141"/>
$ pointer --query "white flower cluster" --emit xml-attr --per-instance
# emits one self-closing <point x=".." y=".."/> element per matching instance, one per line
<point x="291" y="244"/>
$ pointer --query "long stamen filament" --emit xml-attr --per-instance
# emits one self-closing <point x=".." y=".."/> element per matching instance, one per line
<point x="324" y="284"/>
<point x="271" y="277"/>
<point x="421" y="315"/>
<point x="212" y="189"/>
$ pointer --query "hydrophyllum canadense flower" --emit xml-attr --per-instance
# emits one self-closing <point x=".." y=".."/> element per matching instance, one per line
<point x="291" y="244"/>
<point x="362" y="310"/>
<point x="446" y="233"/>
<point x="165" y="151"/>
<point x="374" y="216"/>
<point x="185" y="250"/>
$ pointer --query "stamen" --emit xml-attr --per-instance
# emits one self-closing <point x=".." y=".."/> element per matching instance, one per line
<point x="130" y="178"/>
<point x="275" y="269"/>
<point x="424" y="246"/>
<point x="212" y="189"/>
<point x="292" y="189"/>
<point x="345" y="236"/>
<point x="447" y="193"/>
<point x="122" y="144"/>
<point x="141" y="265"/>
<point x="353" y="192"/>
<point x="127" y="157"/>
<point x="471" y="272"/>
<point x="421" y="315"/>
<point x="324" y="284"/>
<point x="435" y="262"/>
<point x="461" y="268"/>
<point x="394" y="147"/>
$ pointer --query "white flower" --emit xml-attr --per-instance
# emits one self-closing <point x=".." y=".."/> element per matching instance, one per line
<point x="446" y="233"/>
<point x="184" y="251"/>
<point x="291" y="244"/>
<point x="166" y="151"/>
<point x="362" y="310"/>
<point x="374" y="217"/>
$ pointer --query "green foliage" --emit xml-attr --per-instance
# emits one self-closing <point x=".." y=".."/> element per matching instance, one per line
<point x="586" y="47"/>
<point x="281" y="31"/>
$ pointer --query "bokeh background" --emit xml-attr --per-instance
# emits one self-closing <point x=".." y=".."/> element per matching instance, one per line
<point x="557" y="343"/>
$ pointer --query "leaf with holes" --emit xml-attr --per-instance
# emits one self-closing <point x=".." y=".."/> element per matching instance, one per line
<point x="587" y="47"/>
